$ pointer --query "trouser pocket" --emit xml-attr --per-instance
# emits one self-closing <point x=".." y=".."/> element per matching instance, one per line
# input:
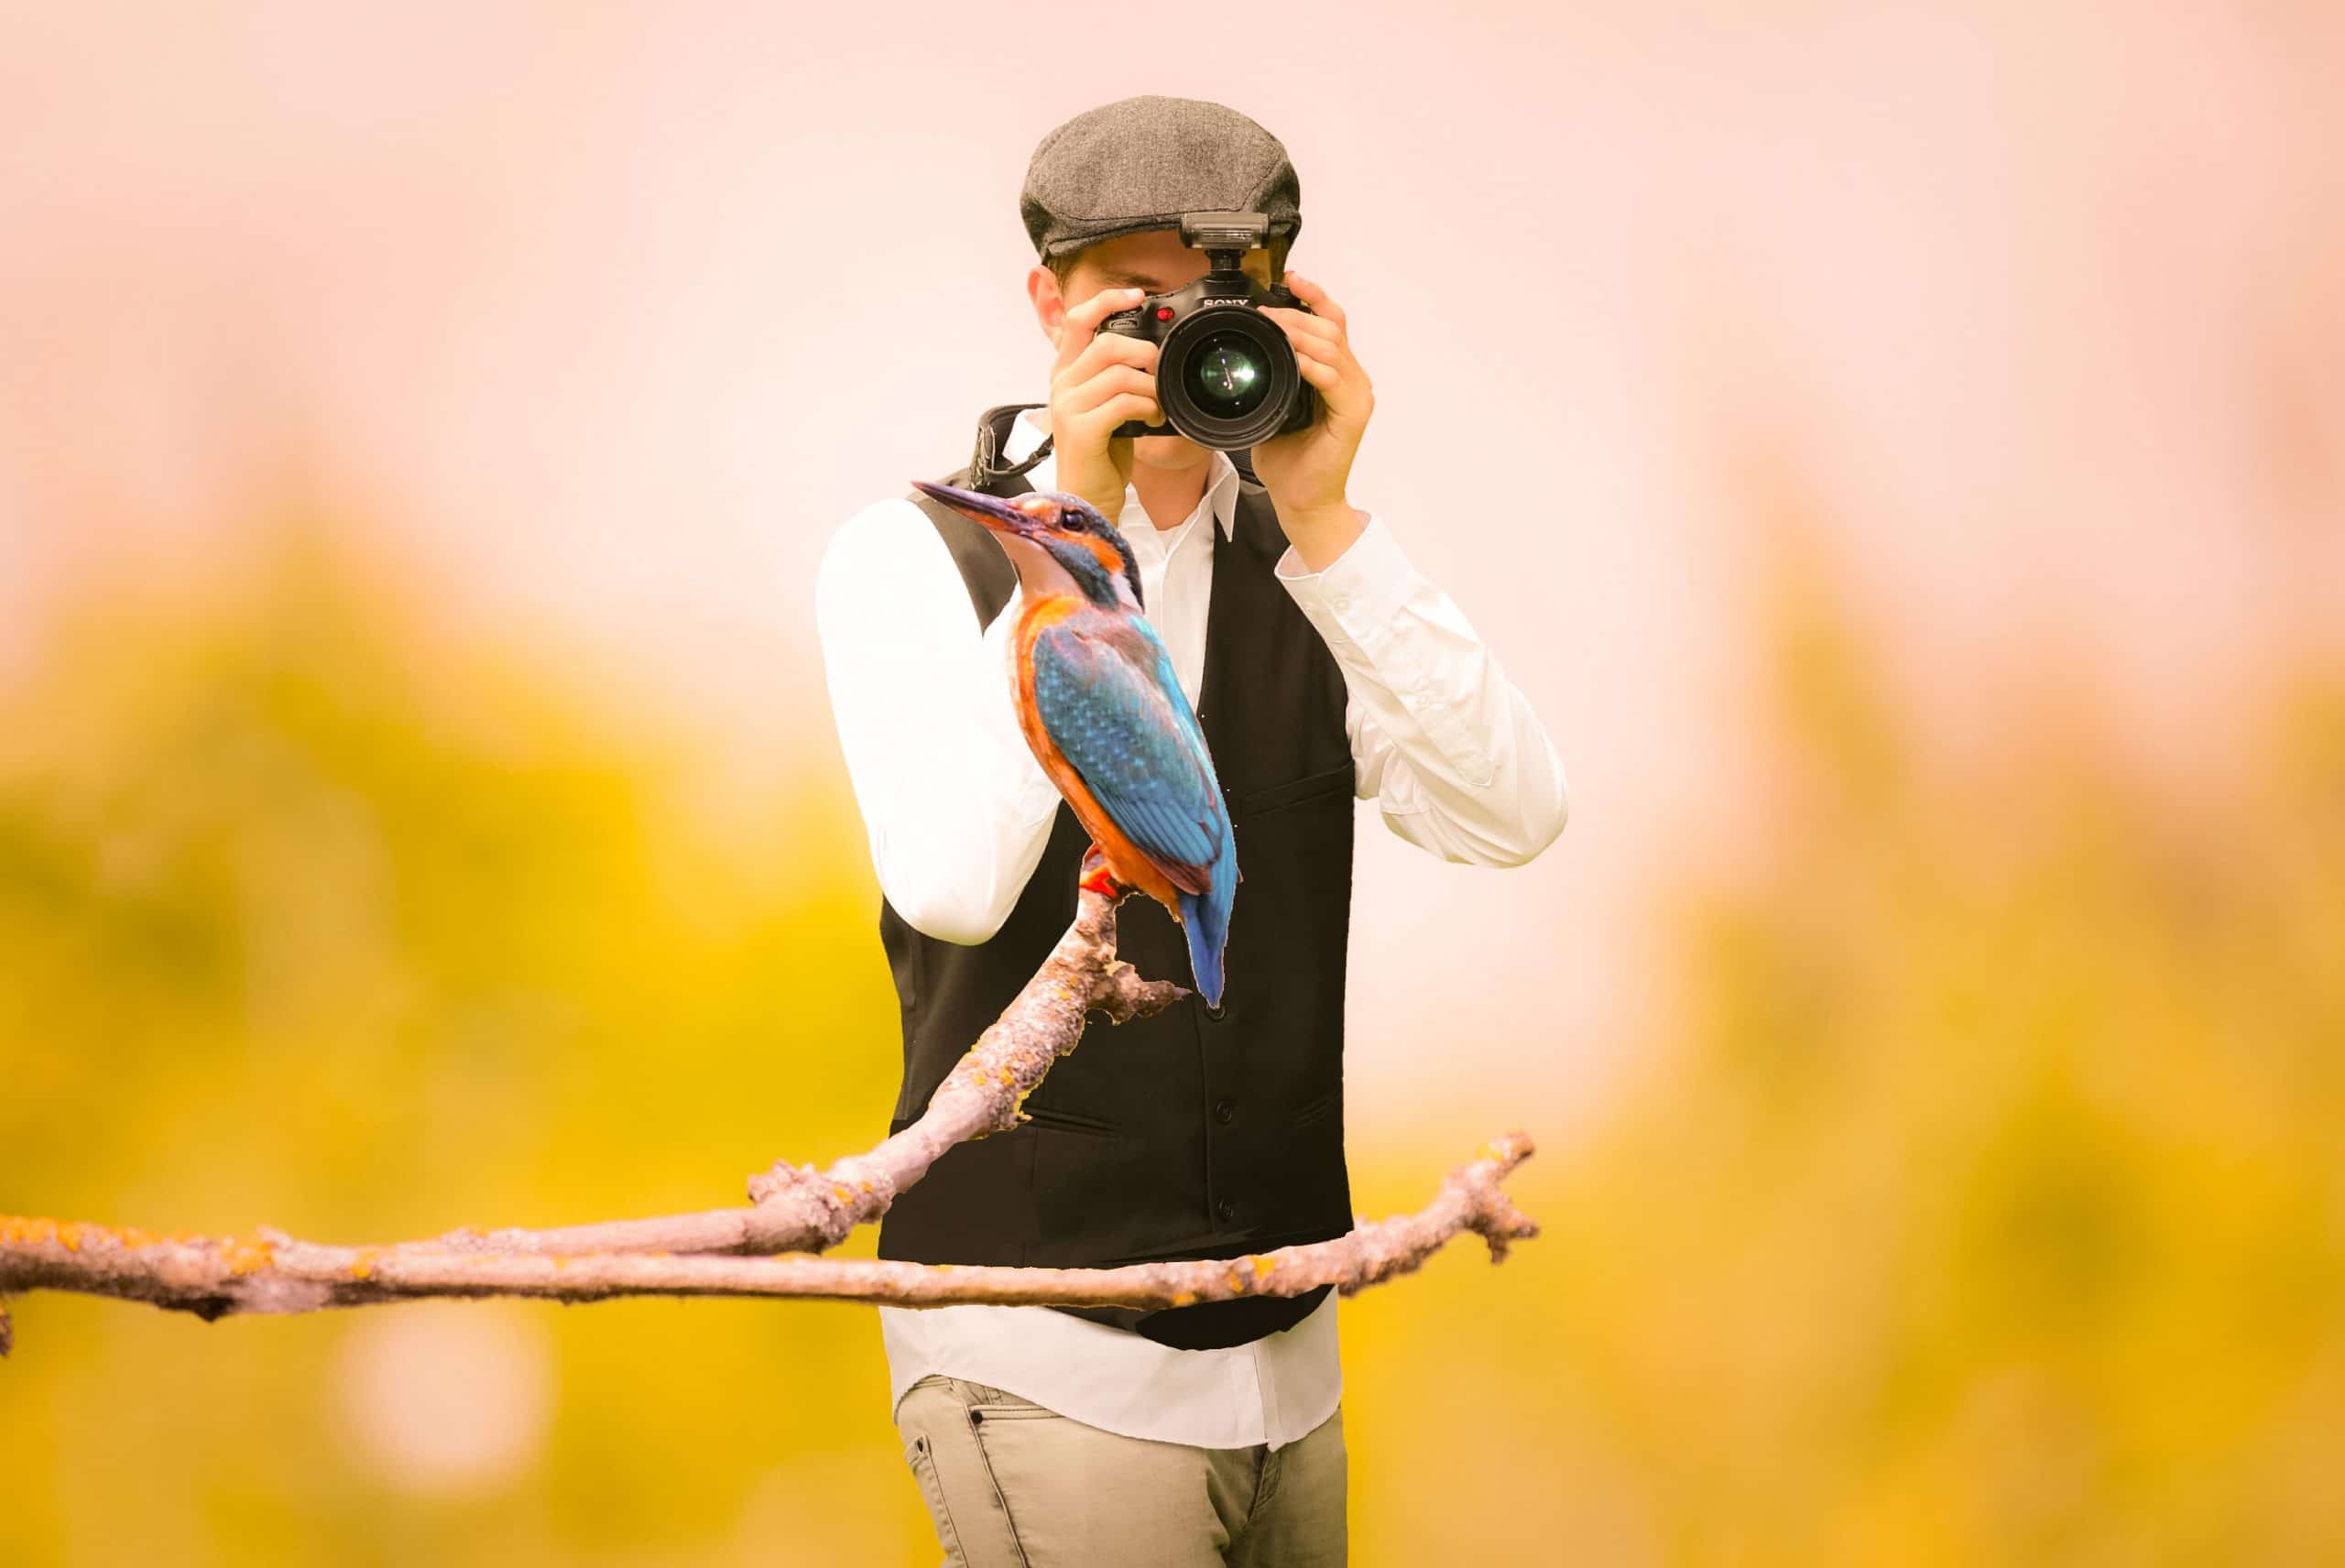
<point x="923" y="1460"/>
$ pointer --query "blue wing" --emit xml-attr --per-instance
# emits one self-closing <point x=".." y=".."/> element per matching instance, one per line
<point x="1110" y="700"/>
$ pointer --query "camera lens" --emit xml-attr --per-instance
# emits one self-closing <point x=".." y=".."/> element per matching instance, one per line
<point x="1227" y="377"/>
<point x="1227" y="374"/>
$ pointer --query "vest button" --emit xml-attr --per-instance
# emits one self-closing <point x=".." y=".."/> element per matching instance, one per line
<point x="1217" y="1013"/>
<point x="1223" y="1110"/>
<point x="1226" y="1210"/>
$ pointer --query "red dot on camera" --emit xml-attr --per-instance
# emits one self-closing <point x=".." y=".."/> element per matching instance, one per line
<point x="1164" y="312"/>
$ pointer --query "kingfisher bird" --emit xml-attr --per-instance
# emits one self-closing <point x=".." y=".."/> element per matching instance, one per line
<point x="1103" y="713"/>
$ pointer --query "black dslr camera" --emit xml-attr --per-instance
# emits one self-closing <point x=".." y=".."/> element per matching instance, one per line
<point x="1224" y="372"/>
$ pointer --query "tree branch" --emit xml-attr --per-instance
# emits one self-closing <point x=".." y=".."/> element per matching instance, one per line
<point x="274" y="1273"/>
<point x="796" y="1211"/>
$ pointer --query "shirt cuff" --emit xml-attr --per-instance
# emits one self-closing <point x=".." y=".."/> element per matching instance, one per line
<point x="1357" y="593"/>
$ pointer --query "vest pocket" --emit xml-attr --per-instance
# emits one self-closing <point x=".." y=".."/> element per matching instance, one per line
<point x="1317" y="1184"/>
<point x="1294" y="791"/>
<point x="1068" y="1121"/>
<point x="1318" y="1106"/>
<point x="1101" y="1192"/>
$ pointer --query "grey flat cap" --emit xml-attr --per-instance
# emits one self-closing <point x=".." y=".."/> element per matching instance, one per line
<point x="1140" y="163"/>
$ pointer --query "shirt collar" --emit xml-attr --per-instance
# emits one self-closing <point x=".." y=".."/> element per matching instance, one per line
<point x="1026" y="433"/>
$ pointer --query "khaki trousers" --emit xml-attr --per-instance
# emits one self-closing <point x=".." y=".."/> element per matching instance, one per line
<point x="1010" y="1484"/>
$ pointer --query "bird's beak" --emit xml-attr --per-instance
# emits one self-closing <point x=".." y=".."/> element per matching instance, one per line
<point x="991" y="510"/>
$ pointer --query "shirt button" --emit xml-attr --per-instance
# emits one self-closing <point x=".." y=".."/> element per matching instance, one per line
<point x="1226" y="1210"/>
<point x="1341" y="603"/>
<point x="1223" y="1110"/>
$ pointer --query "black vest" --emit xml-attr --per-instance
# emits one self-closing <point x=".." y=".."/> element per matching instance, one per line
<point x="1188" y="1133"/>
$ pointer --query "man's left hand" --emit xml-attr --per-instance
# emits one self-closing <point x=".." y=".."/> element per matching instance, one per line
<point x="1307" y="471"/>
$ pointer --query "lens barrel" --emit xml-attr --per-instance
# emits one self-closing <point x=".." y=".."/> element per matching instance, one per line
<point x="1225" y="378"/>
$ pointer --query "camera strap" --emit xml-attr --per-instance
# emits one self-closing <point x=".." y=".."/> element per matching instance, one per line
<point x="993" y="430"/>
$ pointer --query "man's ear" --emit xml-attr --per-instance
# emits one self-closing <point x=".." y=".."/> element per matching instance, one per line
<point x="1049" y="305"/>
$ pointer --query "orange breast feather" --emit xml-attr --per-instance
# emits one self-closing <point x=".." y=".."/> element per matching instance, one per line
<point x="1124" y="858"/>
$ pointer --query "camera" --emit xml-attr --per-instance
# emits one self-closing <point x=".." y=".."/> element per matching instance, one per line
<point x="1225" y="375"/>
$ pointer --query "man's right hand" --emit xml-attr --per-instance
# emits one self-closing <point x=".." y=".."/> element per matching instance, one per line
<point x="1099" y="380"/>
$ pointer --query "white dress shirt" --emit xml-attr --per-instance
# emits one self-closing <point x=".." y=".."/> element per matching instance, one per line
<point x="958" y="811"/>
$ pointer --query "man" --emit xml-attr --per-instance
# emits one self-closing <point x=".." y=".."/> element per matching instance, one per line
<point x="1324" y="667"/>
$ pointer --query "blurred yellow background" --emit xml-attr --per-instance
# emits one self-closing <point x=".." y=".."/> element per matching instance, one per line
<point x="1901" y="453"/>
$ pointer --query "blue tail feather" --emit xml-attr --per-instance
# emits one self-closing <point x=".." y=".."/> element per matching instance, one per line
<point x="1204" y="947"/>
<point x="1205" y="921"/>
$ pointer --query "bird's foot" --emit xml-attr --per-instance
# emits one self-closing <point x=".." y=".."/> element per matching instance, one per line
<point x="1098" y="878"/>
